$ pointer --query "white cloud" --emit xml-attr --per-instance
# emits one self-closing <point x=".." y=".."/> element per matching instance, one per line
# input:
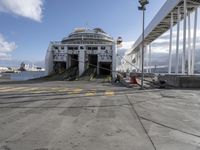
<point x="31" y="9"/>
<point x="126" y="46"/>
<point x="4" y="56"/>
<point x="5" y="48"/>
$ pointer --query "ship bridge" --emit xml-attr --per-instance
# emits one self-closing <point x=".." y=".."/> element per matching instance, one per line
<point x="171" y="14"/>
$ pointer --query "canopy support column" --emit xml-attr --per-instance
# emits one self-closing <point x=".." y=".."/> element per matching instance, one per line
<point x="194" y="40"/>
<point x="170" y="44"/>
<point x="184" y="36"/>
<point x="149" y="58"/>
<point x="189" y="45"/>
<point x="177" y="43"/>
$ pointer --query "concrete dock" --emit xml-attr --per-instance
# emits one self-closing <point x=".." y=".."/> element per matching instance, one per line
<point x="82" y="115"/>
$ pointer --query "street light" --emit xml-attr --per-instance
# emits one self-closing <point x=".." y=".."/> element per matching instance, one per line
<point x="143" y="3"/>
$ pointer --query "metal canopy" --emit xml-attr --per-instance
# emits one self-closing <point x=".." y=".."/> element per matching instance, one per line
<point x="161" y="22"/>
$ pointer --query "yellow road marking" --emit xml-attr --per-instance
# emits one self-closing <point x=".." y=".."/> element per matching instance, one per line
<point x="63" y="90"/>
<point x="28" y="89"/>
<point x="109" y="93"/>
<point x="75" y="91"/>
<point x="38" y="92"/>
<point x="6" y="87"/>
<point x="52" y="89"/>
<point x="91" y="93"/>
<point x="41" y="90"/>
<point x="13" y="89"/>
<point x="34" y="90"/>
<point x="5" y="90"/>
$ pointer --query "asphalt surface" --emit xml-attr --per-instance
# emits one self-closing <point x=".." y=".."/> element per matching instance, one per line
<point x="97" y="116"/>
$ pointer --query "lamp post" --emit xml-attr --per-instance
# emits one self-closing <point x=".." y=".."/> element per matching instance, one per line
<point x="143" y="4"/>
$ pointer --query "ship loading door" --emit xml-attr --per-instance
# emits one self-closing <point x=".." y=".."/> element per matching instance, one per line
<point x="73" y="61"/>
<point x="92" y="60"/>
<point x="105" y="68"/>
<point x="59" y="67"/>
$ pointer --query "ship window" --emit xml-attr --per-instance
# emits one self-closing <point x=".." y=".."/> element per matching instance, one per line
<point x="94" y="48"/>
<point x="70" y="48"/>
<point x="55" y="47"/>
<point x="103" y="47"/>
<point x="81" y="47"/>
<point x="89" y="48"/>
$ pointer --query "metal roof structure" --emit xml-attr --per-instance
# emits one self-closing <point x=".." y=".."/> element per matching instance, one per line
<point x="161" y="22"/>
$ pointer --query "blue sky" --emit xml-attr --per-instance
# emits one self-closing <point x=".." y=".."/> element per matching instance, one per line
<point x="29" y="25"/>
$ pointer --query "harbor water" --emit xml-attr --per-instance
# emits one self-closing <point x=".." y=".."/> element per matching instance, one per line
<point x="21" y="76"/>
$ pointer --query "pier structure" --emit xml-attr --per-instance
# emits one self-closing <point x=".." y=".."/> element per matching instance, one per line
<point x="172" y="13"/>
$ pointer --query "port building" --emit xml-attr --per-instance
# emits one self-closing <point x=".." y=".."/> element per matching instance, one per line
<point x="82" y="50"/>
